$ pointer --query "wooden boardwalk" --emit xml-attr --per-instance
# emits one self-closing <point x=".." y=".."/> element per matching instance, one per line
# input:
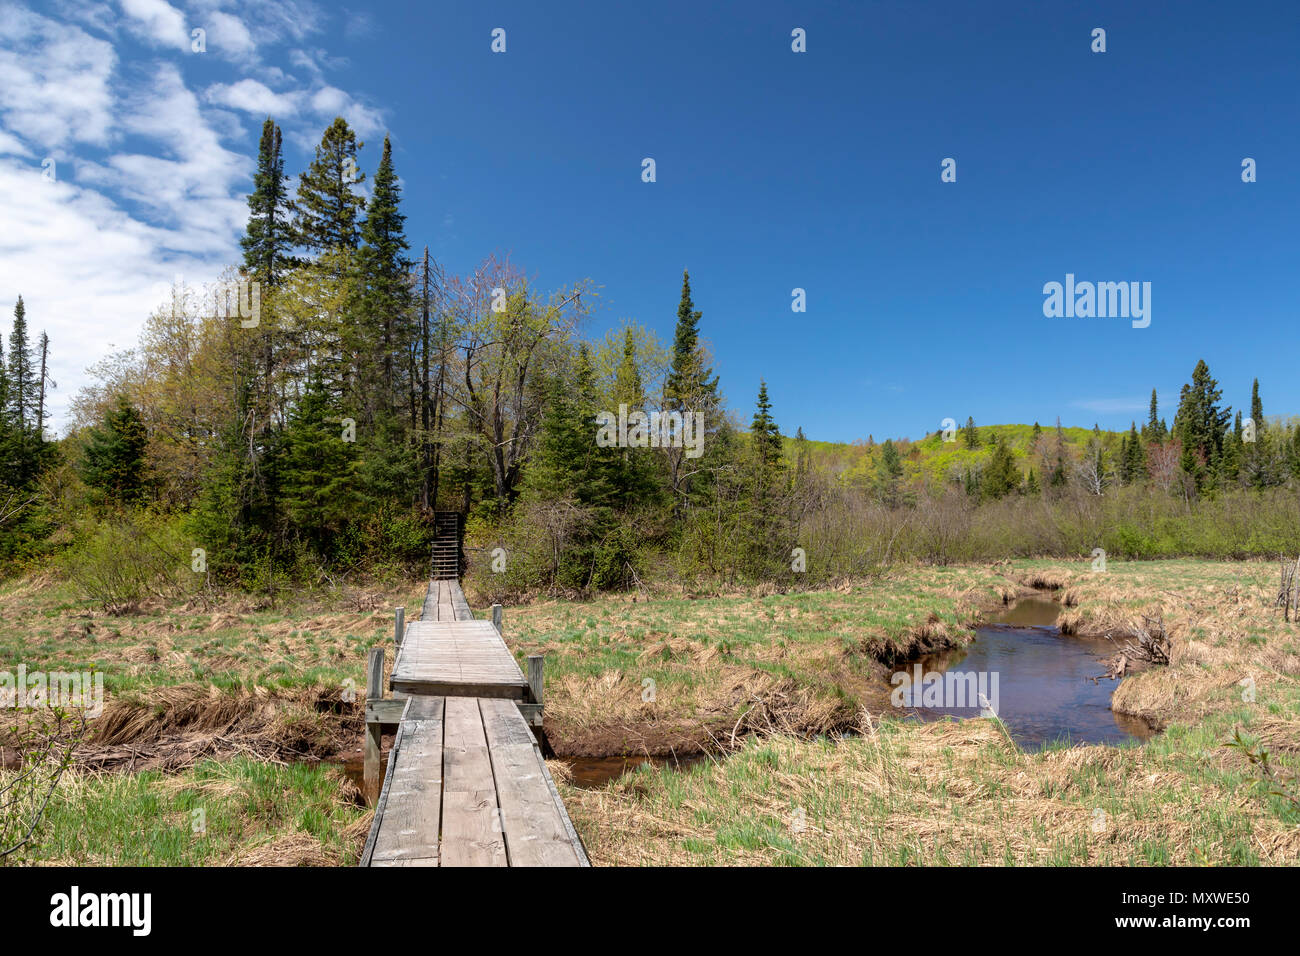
<point x="466" y="782"/>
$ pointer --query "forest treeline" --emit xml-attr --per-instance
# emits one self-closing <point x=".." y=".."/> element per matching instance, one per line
<point x="310" y="432"/>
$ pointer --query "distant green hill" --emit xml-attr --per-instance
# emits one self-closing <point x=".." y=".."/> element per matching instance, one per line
<point x="935" y="460"/>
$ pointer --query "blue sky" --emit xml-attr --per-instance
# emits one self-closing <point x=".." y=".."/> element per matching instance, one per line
<point x="775" y="170"/>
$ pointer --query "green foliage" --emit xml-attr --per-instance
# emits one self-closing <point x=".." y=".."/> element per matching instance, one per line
<point x="328" y="206"/>
<point x="269" y="239"/>
<point x="1001" y="475"/>
<point x="318" y="470"/>
<point x="113" y="460"/>
<point x="125" y="558"/>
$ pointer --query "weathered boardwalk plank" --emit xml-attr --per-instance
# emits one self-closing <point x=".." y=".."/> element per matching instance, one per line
<point x="537" y="828"/>
<point x="467" y="786"/>
<point x="457" y="658"/>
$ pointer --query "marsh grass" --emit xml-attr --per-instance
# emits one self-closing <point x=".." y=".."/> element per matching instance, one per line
<point x="251" y="813"/>
<point x="900" y="792"/>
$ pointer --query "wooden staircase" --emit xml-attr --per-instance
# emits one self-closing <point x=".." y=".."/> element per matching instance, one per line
<point x="446" y="546"/>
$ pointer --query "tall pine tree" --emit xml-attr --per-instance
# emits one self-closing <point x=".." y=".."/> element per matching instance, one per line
<point x="328" y="206"/>
<point x="268" y="240"/>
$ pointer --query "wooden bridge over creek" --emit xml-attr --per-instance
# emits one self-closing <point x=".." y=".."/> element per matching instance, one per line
<point x="466" y="784"/>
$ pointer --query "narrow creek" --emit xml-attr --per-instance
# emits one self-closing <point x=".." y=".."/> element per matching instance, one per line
<point x="1043" y="680"/>
<point x="1044" y="691"/>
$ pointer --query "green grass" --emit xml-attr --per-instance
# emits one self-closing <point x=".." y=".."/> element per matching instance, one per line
<point x="202" y="817"/>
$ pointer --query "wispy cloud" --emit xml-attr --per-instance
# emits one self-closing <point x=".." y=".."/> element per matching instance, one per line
<point x="151" y="168"/>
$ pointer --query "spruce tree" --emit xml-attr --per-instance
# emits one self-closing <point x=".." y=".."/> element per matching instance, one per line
<point x="1201" y="425"/>
<point x="328" y="207"/>
<point x="1133" y="462"/>
<point x="970" y="433"/>
<point x="268" y="239"/>
<point x="628" y="389"/>
<point x="1154" y="430"/>
<point x="690" y="388"/>
<point x="764" y="431"/>
<point x="22" y="387"/>
<point x="691" y="384"/>
<point x="802" y="453"/>
<point x="767" y="531"/>
<point x="1001" y="474"/>
<point x="633" y="476"/>
<point x="388" y="295"/>
<point x="113" y="459"/>
<point x="317" y="475"/>
<point x="889" y="469"/>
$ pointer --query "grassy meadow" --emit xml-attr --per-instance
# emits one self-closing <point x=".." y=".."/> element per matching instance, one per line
<point x="235" y="709"/>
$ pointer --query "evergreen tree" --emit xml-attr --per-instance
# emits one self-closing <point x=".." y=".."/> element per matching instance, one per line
<point x="388" y="294"/>
<point x="1001" y="474"/>
<point x="1132" y="457"/>
<point x="767" y="527"/>
<point x="567" y="462"/>
<point x="21" y="378"/>
<point x="1231" y="458"/>
<point x="628" y="389"/>
<point x="690" y="388"/>
<point x="889" y="469"/>
<point x="327" y="205"/>
<point x="802" y="454"/>
<point x="1154" y="430"/>
<point x="1060" y="474"/>
<point x="317" y="474"/>
<point x="268" y="239"/>
<point x="1256" y="407"/>
<point x="691" y="384"/>
<point x="634" y="476"/>
<point x="970" y="433"/>
<point x="764" y="431"/>
<point x="1201" y="425"/>
<point x="113" y="460"/>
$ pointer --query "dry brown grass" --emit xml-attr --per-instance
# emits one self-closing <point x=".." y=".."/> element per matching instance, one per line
<point x="927" y="793"/>
<point x="957" y="793"/>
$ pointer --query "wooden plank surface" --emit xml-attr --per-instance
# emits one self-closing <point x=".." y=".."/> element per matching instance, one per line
<point x="532" y="819"/>
<point x="411" y="812"/>
<point x="471" y="834"/>
<point x="467" y="786"/>
<point x="460" y="658"/>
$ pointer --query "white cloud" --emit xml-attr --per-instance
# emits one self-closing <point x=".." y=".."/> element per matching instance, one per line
<point x="54" y="81"/>
<point x="12" y="146"/>
<point x="330" y="101"/>
<point x="85" y="269"/>
<point x="250" y="96"/>
<point x="228" y="36"/>
<point x="152" y="174"/>
<point x="158" y="22"/>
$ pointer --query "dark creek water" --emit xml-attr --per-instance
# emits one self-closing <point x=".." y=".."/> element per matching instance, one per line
<point x="593" y="772"/>
<point x="1036" y="679"/>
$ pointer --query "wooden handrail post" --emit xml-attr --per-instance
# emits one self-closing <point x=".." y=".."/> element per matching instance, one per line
<point x="496" y="617"/>
<point x="535" y="685"/>
<point x="399" y="627"/>
<point x="374" y="731"/>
